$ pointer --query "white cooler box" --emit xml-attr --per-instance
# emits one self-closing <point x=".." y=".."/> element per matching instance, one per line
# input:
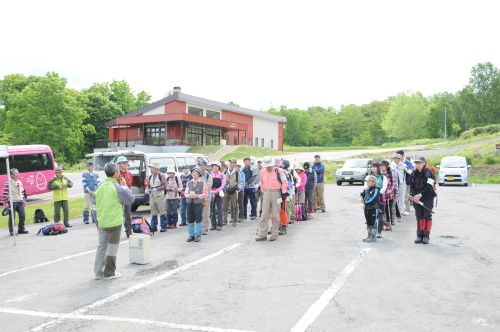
<point x="140" y="248"/>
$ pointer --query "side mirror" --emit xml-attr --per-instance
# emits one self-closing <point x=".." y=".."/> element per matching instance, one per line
<point x="437" y="166"/>
<point x="469" y="166"/>
<point x="341" y="165"/>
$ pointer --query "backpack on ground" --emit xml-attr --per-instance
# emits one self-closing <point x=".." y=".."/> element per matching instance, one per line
<point x="298" y="212"/>
<point x="304" y="212"/>
<point x="140" y="225"/>
<point x="40" y="216"/>
<point x="53" y="229"/>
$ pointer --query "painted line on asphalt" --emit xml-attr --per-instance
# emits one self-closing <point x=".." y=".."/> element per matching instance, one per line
<point x="315" y="310"/>
<point x="130" y="290"/>
<point x="154" y="323"/>
<point x="51" y="262"/>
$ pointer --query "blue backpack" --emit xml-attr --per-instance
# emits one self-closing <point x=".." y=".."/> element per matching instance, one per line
<point x="53" y="229"/>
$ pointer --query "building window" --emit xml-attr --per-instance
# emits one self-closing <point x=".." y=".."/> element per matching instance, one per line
<point x="195" y="111"/>
<point x="213" y="137"/>
<point x="261" y="142"/>
<point x="256" y="141"/>
<point x="272" y="144"/>
<point x="244" y="140"/>
<point x="155" y="135"/>
<point x="195" y="135"/>
<point x="213" y="115"/>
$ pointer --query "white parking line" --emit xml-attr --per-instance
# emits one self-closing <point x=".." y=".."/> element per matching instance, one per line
<point x="187" y="327"/>
<point x="315" y="310"/>
<point x="51" y="262"/>
<point x="81" y="311"/>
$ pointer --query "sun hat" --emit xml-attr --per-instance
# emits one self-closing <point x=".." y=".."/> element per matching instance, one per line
<point x="58" y="169"/>
<point x="277" y="162"/>
<point x="232" y="160"/>
<point x="170" y="169"/>
<point x="267" y="162"/>
<point x="216" y="163"/>
<point x="397" y="155"/>
<point x="155" y="165"/>
<point x="197" y="169"/>
<point x="299" y="166"/>
<point x="371" y="178"/>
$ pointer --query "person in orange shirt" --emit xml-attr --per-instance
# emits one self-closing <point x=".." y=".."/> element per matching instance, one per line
<point x="273" y="184"/>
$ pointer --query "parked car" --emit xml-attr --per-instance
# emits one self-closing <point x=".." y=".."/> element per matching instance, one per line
<point x="354" y="170"/>
<point x="138" y="162"/>
<point x="453" y="170"/>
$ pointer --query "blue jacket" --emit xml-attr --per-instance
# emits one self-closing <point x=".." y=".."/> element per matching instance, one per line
<point x="319" y="168"/>
<point x="243" y="177"/>
<point x="371" y="197"/>
<point x="311" y="176"/>
<point x="90" y="181"/>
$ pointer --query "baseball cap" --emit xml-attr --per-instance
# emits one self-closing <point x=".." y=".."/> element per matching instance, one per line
<point x="232" y="160"/>
<point x="186" y="166"/>
<point x="121" y="159"/>
<point x="89" y="163"/>
<point x="202" y="162"/>
<point x="397" y="155"/>
<point x="420" y="159"/>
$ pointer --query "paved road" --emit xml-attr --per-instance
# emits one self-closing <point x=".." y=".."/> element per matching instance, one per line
<point x="391" y="285"/>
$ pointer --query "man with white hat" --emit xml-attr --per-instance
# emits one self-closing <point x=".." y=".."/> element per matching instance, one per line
<point x="273" y="184"/>
<point x="399" y="168"/>
<point x="156" y="188"/>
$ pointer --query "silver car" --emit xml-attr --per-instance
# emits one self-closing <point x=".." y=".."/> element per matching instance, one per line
<point x="453" y="170"/>
<point x="354" y="170"/>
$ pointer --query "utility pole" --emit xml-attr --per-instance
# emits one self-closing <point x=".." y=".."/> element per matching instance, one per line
<point x="445" y="123"/>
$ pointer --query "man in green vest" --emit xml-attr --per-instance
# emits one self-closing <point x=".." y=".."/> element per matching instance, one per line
<point x="110" y="197"/>
<point x="59" y="185"/>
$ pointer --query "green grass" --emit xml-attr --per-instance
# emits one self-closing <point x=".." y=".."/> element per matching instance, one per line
<point x="247" y="151"/>
<point x="299" y="149"/>
<point x="483" y="180"/>
<point x="75" y="211"/>
<point x="205" y="150"/>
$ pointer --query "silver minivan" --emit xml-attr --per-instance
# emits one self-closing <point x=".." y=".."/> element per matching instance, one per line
<point x="138" y="163"/>
<point x="354" y="170"/>
<point x="453" y="170"/>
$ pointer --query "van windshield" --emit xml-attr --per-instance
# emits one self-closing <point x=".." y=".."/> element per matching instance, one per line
<point x="355" y="163"/>
<point x="164" y="163"/>
<point x="453" y="163"/>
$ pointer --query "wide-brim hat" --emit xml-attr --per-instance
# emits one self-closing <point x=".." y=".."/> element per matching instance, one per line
<point x="170" y="169"/>
<point x="216" y="163"/>
<point x="371" y="178"/>
<point x="58" y="169"/>
<point x="155" y="165"/>
<point x="299" y="166"/>
<point x="397" y="155"/>
<point x="267" y="161"/>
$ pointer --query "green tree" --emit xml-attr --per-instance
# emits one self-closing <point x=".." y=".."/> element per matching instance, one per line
<point x="407" y="117"/>
<point x="46" y="112"/>
<point x="485" y="84"/>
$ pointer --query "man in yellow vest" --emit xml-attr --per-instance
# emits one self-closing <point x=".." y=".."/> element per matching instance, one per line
<point x="59" y="185"/>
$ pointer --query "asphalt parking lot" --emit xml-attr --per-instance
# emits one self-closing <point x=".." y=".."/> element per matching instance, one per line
<point x="318" y="277"/>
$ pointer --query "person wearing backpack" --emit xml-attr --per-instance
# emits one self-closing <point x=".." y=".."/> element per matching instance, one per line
<point x="311" y="182"/>
<point x="251" y="176"/>
<point x="156" y="188"/>
<point x="110" y="196"/>
<point x="217" y="194"/>
<point x="319" y="188"/>
<point x="18" y="197"/>
<point x="172" y="197"/>
<point x="233" y="186"/>
<point x="185" y="177"/>
<point x="90" y="180"/>
<point x="301" y="190"/>
<point x="370" y="198"/>
<point x="195" y="194"/>
<point x="127" y="209"/>
<point x="293" y="182"/>
<point x="422" y="181"/>
<point x="206" y="176"/>
<point x="59" y="185"/>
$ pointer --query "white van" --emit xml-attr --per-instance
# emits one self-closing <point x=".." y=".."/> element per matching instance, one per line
<point x="138" y="162"/>
<point x="453" y="170"/>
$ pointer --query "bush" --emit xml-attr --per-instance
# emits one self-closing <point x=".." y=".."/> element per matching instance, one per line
<point x="491" y="160"/>
<point x="489" y="129"/>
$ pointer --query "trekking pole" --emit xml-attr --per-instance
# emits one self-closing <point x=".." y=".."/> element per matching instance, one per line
<point x="421" y="204"/>
<point x="389" y="213"/>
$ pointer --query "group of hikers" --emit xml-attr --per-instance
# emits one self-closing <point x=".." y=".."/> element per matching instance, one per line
<point x="215" y="193"/>
<point x="389" y="191"/>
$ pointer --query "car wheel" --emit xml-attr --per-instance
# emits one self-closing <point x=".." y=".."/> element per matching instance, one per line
<point x="441" y="184"/>
<point x="466" y="184"/>
<point x="134" y="208"/>
<point x="350" y="182"/>
<point x="339" y="183"/>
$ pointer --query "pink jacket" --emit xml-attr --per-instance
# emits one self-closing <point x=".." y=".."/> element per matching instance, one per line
<point x="303" y="181"/>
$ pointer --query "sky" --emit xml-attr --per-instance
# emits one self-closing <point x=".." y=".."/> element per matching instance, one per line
<point x="259" y="54"/>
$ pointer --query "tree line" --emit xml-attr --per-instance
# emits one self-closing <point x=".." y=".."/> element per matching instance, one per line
<point x="43" y="110"/>
<point x="406" y="116"/>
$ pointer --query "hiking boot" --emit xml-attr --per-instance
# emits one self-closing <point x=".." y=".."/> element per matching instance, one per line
<point x="419" y="238"/>
<point x="197" y="238"/>
<point x="99" y="277"/>
<point x="282" y="231"/>
<point x="373" y="237"/>
<point x="264" y="238"/>
<point x="369" y="234"/>
<point x="183" y="224"/>
<point x="86" y="222"/>
<point x="213" y="228"/>
<point x="219" y="228"/>
<point x="12" y="233"/>
<point x="204" y="233"/>
<point x="425" y="239"/>
<point x="322" y="210"/>
<point x="273" y="238"/>
<point x="379" y="235"/>
<point x="115" y="276"/>
<point x="190" y="239"/>
<point x="22" y="232"/>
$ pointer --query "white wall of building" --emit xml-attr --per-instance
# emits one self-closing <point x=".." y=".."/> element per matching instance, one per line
<point x="267" y="130"/>
<point x="156" y="111"/>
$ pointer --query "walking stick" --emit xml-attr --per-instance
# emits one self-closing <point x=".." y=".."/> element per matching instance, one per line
<point x="421" y="204"/>
<point x="389" y="212"/>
